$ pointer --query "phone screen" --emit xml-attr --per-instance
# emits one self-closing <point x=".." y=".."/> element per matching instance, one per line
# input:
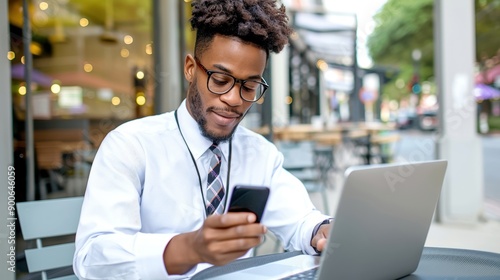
<point x="249" y="199"/>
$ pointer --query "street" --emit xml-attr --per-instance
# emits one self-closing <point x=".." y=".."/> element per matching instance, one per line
<point x="418" y="145"/>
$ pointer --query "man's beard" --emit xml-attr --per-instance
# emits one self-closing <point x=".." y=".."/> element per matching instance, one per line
<point x="196" y="106"/>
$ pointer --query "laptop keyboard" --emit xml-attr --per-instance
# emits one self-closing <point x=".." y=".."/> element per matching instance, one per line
<point x="308" y="274"/>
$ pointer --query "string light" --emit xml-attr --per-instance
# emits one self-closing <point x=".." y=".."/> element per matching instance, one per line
<point x="55" y="88"/>
<point x="140" y="75"/>
<point x="87" y="67"/>
<point x="124" y="53"/>
<point x="128" y="39"/>
<point x="43" y="6"/>
<point x="84" y="22"/>
<point x="11" y="55"/>
<point x="22" y="90"/>
<point x="115" y="100"/>
<point x="149" y="49"/>
<point x="322" y="65"/>
<point x="140" y="100"/>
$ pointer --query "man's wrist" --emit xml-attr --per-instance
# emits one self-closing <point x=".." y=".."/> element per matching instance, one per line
<point x="316" y="229"/>
<point x="180" y="263"/>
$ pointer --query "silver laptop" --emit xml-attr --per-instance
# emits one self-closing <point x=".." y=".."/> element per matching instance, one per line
<point x="380" y="226"/>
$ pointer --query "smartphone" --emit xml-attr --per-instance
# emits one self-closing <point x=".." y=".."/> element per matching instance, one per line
<point x="249" y="199"/>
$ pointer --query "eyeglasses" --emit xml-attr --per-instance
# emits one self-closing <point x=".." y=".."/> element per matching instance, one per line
<point x="221" y="83"/>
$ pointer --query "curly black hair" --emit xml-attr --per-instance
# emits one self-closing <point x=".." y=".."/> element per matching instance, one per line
<point x="259" y="22"/>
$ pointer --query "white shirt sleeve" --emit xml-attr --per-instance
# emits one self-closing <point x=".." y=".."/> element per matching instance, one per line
<point x="109" y="244"/>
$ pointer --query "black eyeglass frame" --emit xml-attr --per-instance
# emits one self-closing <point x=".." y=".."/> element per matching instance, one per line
<point x="235" y="80"/>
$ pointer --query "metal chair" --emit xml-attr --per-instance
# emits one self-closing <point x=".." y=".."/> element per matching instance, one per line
<point x="308" y="165"/>
<point x="43" y="219"/>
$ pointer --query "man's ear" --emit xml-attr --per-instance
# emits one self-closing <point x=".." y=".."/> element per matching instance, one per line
<point x="189" y="68"/>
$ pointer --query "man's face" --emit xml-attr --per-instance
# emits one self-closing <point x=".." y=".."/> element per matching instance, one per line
<point x="219" y="115"/>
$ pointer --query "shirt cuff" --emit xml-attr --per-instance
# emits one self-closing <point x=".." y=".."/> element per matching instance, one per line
<point x="311" y="224"/>
<point x="316" y="228"/>
<point x="149" y="250"/>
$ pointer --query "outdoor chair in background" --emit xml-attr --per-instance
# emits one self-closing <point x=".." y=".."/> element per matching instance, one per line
<point x="326" y="146"/>
<point x="44" y="219"/>
<point x="49" y="156"/>
<point x="375" y="148"/>
<point x="61" y="152"/>
<point x="387" y="146"/>
<point x="303" y="162"/>
<point x="311" y="164"/>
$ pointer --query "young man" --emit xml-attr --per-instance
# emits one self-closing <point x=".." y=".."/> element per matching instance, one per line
<point x="151" y="208"/>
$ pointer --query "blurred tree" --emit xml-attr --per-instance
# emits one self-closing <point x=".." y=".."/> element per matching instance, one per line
<point x="403" y="26"/>
<point x="487" y="29"/>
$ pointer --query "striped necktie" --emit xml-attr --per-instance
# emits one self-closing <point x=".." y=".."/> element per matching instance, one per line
<point x="215" y="188"/>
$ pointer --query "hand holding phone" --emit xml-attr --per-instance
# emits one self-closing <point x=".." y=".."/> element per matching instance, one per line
<point x="249" y="199"/>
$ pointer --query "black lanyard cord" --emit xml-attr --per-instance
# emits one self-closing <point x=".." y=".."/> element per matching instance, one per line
<point x="198" y="171"/>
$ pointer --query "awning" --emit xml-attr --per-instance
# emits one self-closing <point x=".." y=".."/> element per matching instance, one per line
<point x="17" y="72"/>
<point x="330" y="37"/>
<point x="484" y="92"/>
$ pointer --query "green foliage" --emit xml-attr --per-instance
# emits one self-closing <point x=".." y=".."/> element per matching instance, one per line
<point x="403" y="26"/>
<point x="487" y="28"/>
<point x="494" y="123"/>
<point x="391" y="91"/>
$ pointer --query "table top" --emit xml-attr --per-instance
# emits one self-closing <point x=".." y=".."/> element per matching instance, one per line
<point x="302" y="132"/>
<point x="435" y="263"/>
<point x="447" y="263"/>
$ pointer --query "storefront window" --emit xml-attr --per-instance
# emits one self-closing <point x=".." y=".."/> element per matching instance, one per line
<point x="92" y="70"/>
<point x="91" y="59"/>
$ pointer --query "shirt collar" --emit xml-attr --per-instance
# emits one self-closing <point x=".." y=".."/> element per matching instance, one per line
<point x="196" y="142"/>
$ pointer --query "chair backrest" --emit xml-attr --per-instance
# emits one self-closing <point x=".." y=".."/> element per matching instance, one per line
<point x="309" y="164"/>
<point x="49" y="154"/>
<point x="297" y="155"/>
<point x="49" y="218"/>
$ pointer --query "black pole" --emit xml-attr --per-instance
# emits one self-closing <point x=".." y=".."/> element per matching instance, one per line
<point x="357" y="112"/>
<point x="267" y="107"/>
<point x="157" y="58"/>
<point x="28" y="67"/>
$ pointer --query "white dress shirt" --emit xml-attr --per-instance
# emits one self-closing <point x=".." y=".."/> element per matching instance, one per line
<point x="143" y="189"/>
